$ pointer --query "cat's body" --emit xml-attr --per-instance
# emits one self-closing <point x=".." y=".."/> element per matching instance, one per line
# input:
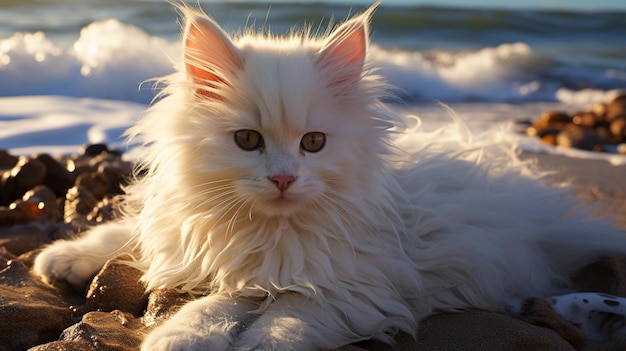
<point x="278" y="183"/>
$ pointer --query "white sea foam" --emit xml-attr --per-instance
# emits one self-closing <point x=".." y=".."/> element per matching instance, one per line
<point x="111" y="59"/>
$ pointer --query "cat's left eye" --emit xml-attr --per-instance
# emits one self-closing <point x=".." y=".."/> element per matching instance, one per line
<point x="313" y="141"/>
<point x="248" y="140"/>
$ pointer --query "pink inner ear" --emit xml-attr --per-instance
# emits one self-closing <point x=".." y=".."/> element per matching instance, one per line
<point x="343" y="53"/>
<point x="210" y="56"/>
<point x="348" y="46"/>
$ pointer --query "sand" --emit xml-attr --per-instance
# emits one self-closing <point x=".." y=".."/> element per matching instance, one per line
<point x="597" y="181"/>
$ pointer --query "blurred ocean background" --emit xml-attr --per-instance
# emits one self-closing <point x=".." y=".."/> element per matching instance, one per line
<point x="93" y="56"/>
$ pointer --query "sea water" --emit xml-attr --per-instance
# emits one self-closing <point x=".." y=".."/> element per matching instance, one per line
<point x="74" y="72"/>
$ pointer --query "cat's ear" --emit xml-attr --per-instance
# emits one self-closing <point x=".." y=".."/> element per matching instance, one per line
<point x="210" y="56"/>
<point x="343" y="53"/>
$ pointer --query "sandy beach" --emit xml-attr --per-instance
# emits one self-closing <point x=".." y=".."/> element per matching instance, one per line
<point x="596" y="181"/>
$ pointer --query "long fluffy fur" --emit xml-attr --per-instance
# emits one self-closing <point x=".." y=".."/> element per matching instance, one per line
<point x="395" y="224"/>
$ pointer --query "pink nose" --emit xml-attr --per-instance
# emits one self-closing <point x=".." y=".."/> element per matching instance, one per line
<point x="282" y="181"/>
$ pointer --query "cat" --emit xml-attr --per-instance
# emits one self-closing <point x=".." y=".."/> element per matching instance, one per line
<point x="308" y="215"/>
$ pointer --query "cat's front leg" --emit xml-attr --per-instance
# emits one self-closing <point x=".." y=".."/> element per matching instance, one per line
<point x="295" y="322"/>
<point x="77" y="261"/>
<point x="210" y="323"/>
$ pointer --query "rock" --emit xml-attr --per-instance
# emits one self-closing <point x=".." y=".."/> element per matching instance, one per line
<point x="13" y="215"/>
<point x="586" y="119"/>
<point x="162" y="304"/>
<point x="32" y="313"/>
<point x="100" y="331"/>
<point x="117" y="286"/>
<point x="573" y="136"/>
<point x="540" y="132"/>
<point x="7" y="161"/>
<point x="553" y="119"/>
<point x="94" y="150"/>
<point x="549" y="139"/>
<point x="615" y="108"/>
<point x="104" y="211"/>
<point x="45" y="201"/>
<point x="24" y="238"/>
<point x="78" y="203"/>
<point x="539" y="312"/>
<point x="607" y="275"/>
<point x="5" y="256"/>
<point x="96" y="183"/>
<point x="57" y="178"/>
<point x="599" y="109"/>
<point x="25" y="175"/>
<point x="621" y="148"/>
<point x="618" y="128"/>
<point x="482" y="330"/>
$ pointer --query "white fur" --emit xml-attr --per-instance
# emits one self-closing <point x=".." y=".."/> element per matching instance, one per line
<point x="381" y="228"/>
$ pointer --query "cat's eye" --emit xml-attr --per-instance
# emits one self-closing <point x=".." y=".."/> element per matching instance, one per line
<point x="248" y="139"/>
<point x="313" y="141"/>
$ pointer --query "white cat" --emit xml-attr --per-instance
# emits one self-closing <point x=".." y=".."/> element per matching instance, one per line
<point x="280" y="186"/>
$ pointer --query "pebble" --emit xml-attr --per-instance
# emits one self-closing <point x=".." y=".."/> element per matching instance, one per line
<point x="600" y="128"/>
<point x="94" y="150"/>
<point x="7" y="161"/>
<point x="117" y="287"/>
<point x="25" y="175"/>
<point x="57" y="177"/>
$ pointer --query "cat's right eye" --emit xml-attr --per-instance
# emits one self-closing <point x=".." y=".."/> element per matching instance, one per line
<point x="248" y="139"/>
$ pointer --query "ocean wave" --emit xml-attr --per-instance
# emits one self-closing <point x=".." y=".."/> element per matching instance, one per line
<point x="111" y="59"/>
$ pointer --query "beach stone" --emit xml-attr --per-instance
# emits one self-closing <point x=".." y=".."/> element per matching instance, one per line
<point x="94" y="150"/>
<point x="45" y="200"/>
<point x="100" y="331"/>
<point x="615" y="108"/>
<point x="118" y="173"/>
<point x="586" y="119"/>
<point x="607" y="275"/>
<point x="117" y="286"/>
<point x="618" y="128"/>
<point x="549" y="139"/>
<point x="5" y="256"/>
<point x="539" y="312"/>
<point x="57" y="177"/>
<point x="573" y="136"/>
<point x="24" y="238"/>
<point x="540" y="132"/>
<point x="14" y="215"/>
<point x="162" y="304"/>
<point x="32" y="313"/>
<point x="78" y="203"/>
<point x="553" y="119"/>
<point x="78" y="165"/>
<point x="96" y="183"/>
<point x="7" y="161"/>
<point x="104" y="211"/>
<point x="621" y="148"/>
<point x="482" y="330"/>
<point x="599" y="109"/>
<point x="25" y="175"/>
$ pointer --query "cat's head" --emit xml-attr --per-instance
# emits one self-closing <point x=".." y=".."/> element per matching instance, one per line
<point x="282" y="125"/>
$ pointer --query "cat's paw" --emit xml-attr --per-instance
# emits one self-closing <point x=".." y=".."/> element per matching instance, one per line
<point x="276" y="334"/>
<point x="62" y="261"/>
<point x="599" y="316"/>
<point x="172" y="338"/>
